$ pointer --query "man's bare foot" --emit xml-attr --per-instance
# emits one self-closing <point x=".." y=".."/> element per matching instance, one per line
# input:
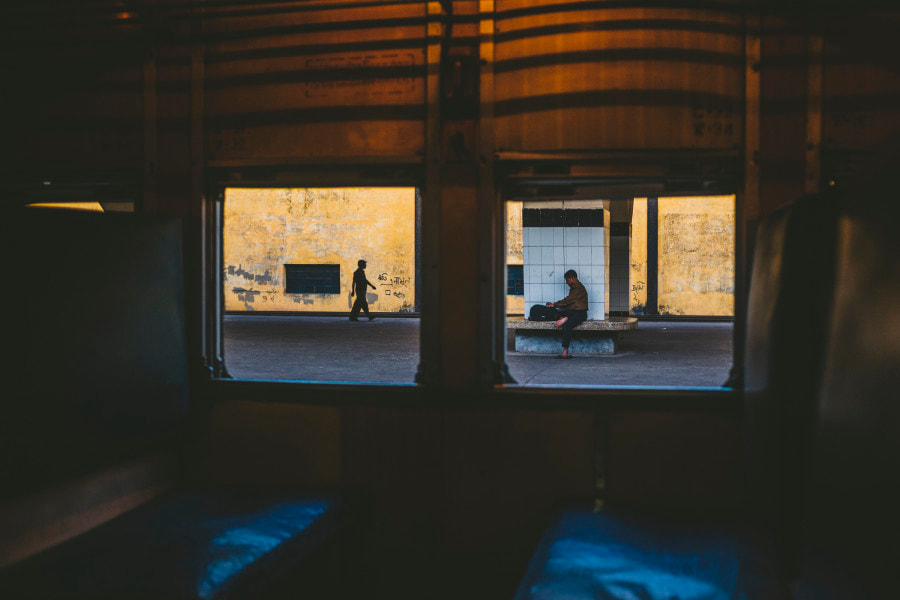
<point x="561" y="322"/>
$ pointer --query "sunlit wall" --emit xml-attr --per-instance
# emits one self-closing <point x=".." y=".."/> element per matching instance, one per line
<point x="266" y="229"/>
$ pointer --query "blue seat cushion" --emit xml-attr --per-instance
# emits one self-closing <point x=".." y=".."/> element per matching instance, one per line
<point x="187" y="545"/>
<point x="587" y="555"/>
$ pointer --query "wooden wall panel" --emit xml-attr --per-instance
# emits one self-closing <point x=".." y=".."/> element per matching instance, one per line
<point x="303" y="80"/>
<point x="75" y="101"/>
<point x="269" y="446"/>
<point x="861" y="83"/>
<point x="599" y="78"/>
<point x="673" y="463"/>
<point x="173" y="157"/>
<point x="782" y="114"/>
<point x="394" y="455"/>
<point x="506" y="473"/>
<point x="860" y="94"/>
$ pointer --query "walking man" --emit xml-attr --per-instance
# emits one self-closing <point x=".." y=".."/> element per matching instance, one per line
<point x="360" y="288"/>
<point x="572" y="310"/>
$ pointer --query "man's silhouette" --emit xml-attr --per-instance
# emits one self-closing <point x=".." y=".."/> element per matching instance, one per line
<point x="360" y="288"/>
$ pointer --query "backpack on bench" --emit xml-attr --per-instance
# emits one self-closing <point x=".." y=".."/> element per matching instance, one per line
<point x="539" y="312"/>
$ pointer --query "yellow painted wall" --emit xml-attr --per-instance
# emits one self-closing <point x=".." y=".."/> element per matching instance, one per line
<point x="265" y="229"/>
<point x="696" y="256"/>
<point x="637" y="284"/>
<point x="514" y="255"/>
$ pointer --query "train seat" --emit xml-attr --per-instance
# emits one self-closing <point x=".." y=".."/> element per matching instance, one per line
<point x="185" y="545"/>
<point x="619" y="552"/>
<point x="850" y="533"/>
<point x="97" y="447"/>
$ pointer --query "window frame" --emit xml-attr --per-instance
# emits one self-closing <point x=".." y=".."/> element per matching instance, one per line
<point x="276" y="176"/>
<point x="620" y="187"/>
<point x="501" y="388"/>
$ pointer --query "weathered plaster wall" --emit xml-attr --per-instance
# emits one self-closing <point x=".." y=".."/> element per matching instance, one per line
<point x="265" y="229"/>
<point x="514" y="256"/>
<point x="638" y="259"/>
<point x="696" y="256"/>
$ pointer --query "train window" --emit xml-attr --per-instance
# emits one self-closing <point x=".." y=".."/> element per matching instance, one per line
<point x="319" y="284"/>
<point x="654" y="285"/>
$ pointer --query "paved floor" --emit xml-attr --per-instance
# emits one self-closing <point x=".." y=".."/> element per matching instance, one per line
<point x="387" y="350"/>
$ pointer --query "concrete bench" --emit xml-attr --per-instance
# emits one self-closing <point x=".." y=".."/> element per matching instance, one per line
<point x="590" y="337"/>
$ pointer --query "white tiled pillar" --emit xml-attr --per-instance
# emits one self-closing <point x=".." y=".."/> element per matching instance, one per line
<point x="544" y="266"/>
<point x="556" y="240"/>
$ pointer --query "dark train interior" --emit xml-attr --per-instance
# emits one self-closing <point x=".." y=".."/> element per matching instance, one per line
<point x="135" y="466"/>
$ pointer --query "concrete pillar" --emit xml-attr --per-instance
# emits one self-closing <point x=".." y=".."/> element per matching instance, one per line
<point x="620" y="257"/>
<point x="619" y="267"/>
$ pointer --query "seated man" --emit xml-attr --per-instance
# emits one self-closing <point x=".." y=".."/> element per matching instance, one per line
<point x="572" y="310"/>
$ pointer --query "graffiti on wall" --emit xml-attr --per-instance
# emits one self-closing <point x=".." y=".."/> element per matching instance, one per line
<point x="398" y="287"/>
<point x="637" y="297"/>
